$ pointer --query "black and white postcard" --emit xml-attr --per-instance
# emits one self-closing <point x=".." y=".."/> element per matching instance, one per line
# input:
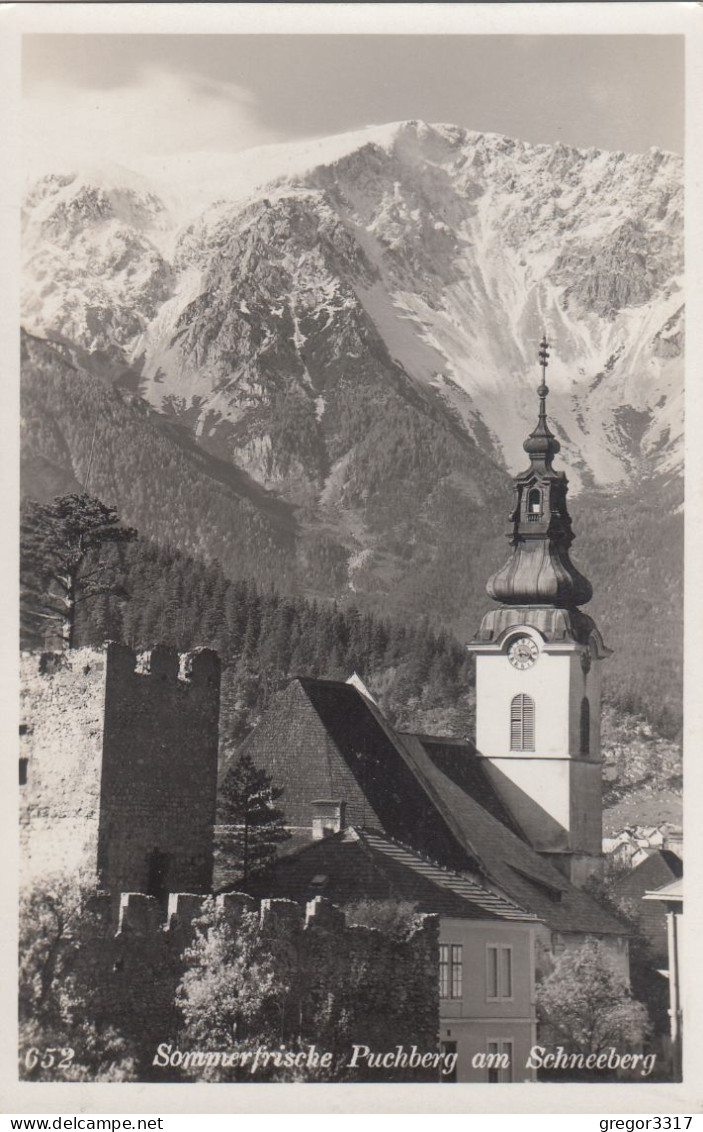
<point x="350" y="381"/>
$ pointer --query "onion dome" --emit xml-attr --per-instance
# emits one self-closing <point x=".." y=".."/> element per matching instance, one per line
<point x="540" y="571"/>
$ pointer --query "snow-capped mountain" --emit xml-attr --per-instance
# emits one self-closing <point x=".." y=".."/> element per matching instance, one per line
<point x="275" y="301"/>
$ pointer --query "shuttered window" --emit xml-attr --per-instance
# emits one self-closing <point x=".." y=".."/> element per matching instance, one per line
<point x="585" y="727"/>
<point x="499" y="971"/>
<point x="522" y="723"/>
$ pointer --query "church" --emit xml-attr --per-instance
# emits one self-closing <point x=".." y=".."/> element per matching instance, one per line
<point x="518" y="812"/>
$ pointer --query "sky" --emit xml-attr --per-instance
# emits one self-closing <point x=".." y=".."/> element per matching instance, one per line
<point x="123" y="98"/>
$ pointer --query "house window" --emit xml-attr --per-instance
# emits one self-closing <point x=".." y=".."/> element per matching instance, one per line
<point x="585" y="727"/>
<point x="450" y="970"/>
<point x="534" y="506"/>
<point x="500" y="1061"/>
<point x="522" y="723"/>
<point x="23" y="772"/>
<point x="499" y="972"/>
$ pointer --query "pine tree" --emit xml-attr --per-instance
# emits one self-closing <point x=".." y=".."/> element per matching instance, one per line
<point x="248" y="806"/>
<point x="64" y="559"/>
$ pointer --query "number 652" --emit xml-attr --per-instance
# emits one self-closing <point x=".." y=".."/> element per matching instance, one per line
<point x="51" y="1057"/>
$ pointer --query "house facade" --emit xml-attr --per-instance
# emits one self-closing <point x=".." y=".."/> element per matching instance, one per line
<point x="670" y="898"/>
<point x="490" y="1017"/>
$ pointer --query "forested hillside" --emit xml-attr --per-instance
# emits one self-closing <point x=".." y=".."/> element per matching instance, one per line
<point x="161" y="596"/>
<point x="631" y="545"/>
<point x="424" y="680"/>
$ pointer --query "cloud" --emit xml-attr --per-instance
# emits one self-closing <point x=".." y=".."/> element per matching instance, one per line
<point x="161" y="113"/>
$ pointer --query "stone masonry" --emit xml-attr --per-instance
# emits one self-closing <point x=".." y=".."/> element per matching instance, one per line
<point x="118" y="767"/>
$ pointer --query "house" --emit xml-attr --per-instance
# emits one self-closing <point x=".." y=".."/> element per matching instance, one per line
<point x="670" y="896"/>
<point x="659" y="868"/>
<point x="633" y="846"/>
<point x="486" y="942"/>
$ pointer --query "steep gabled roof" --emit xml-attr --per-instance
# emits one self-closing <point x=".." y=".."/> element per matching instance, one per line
<point x="659" y="867"/>
<point x="361" y="864"/>
<point x="458" y="760"/>
<point x="374" y="756"/>
<point x="509" y="862"/>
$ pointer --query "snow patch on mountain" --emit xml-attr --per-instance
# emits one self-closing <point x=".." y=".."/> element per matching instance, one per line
<point x="250" y="291"/>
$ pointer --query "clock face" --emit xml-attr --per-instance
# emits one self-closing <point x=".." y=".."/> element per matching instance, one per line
<point x="523" y="652"/>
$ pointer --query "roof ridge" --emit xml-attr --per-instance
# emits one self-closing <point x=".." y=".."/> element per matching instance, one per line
<point x="323" y="680"/>
<point x="424" y="737"/>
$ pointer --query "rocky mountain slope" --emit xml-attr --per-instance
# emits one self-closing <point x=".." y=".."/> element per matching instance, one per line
<point x="424" y="257"/>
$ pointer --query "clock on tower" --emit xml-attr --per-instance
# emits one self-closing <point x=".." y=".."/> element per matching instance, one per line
<point x="538" y="679"/>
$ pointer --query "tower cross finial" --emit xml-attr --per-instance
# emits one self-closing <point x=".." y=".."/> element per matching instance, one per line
<point x="543" y="390"/>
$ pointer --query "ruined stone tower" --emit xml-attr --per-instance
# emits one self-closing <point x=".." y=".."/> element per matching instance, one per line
<point x="118" y="767"/>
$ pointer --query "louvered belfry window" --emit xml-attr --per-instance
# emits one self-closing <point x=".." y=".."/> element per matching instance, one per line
<point x="585" y="727"/>
<point x="522" y="723"/>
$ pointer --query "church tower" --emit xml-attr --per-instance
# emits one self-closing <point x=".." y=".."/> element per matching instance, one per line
<point x="538" y="671"/>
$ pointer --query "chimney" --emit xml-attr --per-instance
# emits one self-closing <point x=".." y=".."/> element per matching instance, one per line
<point x="327" y="818"/>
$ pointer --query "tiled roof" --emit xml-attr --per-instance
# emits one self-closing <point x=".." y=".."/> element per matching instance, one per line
<point x="374" y="753"/>
<point x="673" y="891"/>
<point x="510" y="863"/>
<point x="458" y="883"/>
<point x="458" y="760"/>
<point x="659" y="867"/>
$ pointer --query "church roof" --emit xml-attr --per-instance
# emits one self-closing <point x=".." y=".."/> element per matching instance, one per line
<point x="361" y="864"/>
<point x="509" y="861"/>
<point x="324" y="739"/>
<point x="539" y="569"/>
<point x="457" y="759"/>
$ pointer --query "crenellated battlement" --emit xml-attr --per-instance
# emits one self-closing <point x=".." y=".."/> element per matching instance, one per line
<point x="143" y="915"/>
<point x="198" y="667"/>
<point x="141" y="960"/>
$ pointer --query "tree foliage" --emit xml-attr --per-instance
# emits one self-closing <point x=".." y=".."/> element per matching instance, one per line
<point x="647" y="984"/>
<point x="60" y="938"/>
<point x="280" y="986"/>
<point x="63" y="558"/>
<point x="234" y="986"/>
<point x="423" y="677"/>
